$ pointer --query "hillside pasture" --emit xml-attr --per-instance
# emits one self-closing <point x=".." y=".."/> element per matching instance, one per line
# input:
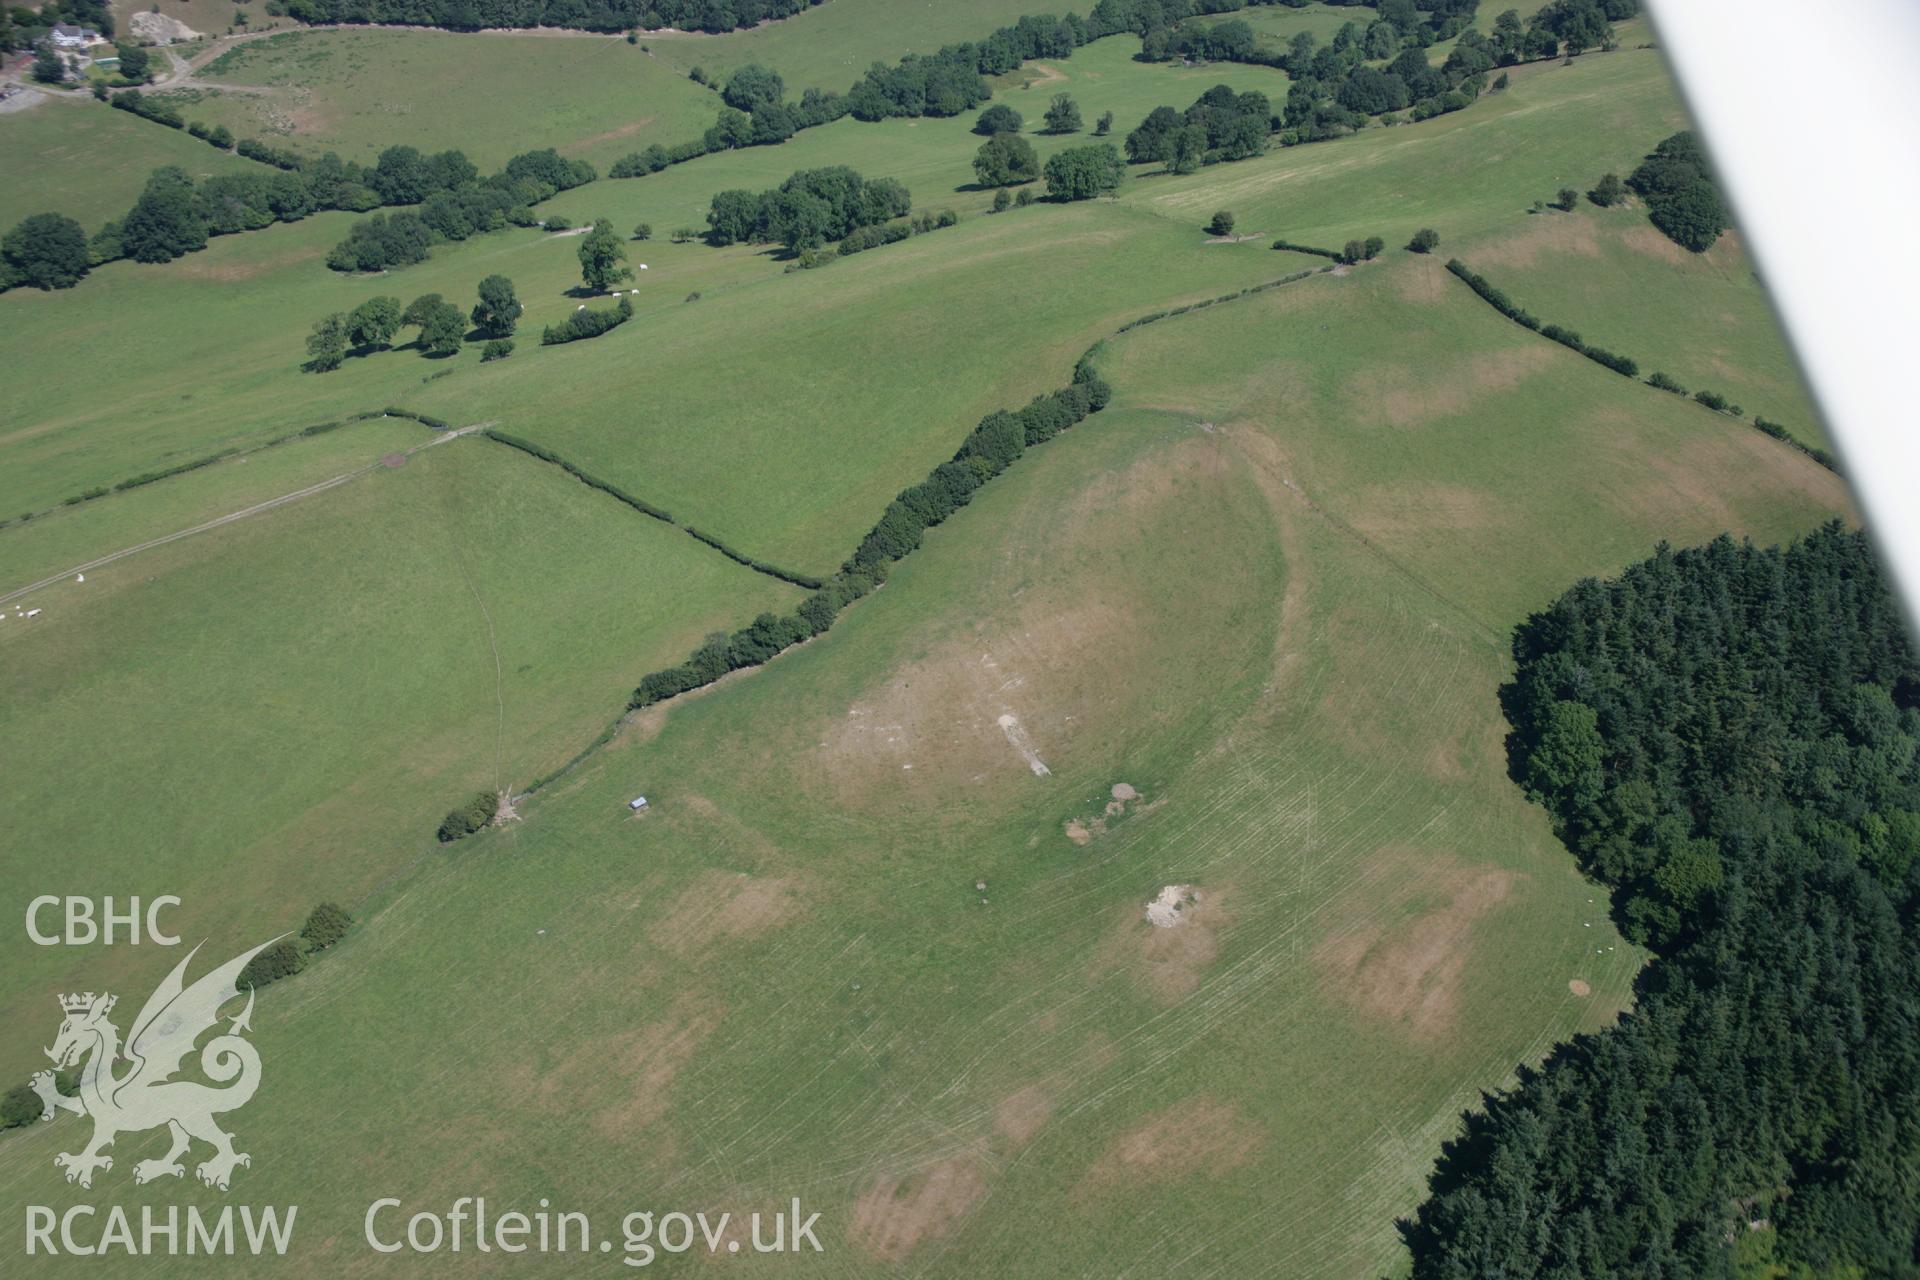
<point x="1277" y="25"/>
<point x="1465" y="174"/>
<point x="1472" y="173"/>
<point x="1106" y="76"/>
<point x="280" y="711"/>
<point x="90" y="162"/>
<point x="358" y="91"/>
<point x="933" y="156"/>
<point x="1252" y="618"/>
<point x="206" y="351"/>
<point x="832" y="45"/>
<point x="1701" y="318"/>
<point x="68" y="536"/>
<point x="783" y="415"/>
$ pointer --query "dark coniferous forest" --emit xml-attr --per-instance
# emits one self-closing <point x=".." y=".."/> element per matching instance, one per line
<point x="1726" y="738"/>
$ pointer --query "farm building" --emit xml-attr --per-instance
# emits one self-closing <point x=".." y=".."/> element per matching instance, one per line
<point x="70" y="37"/>
<point x="637" y="804"/>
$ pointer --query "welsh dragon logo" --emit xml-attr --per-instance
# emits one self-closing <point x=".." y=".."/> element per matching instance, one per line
<point x="130" y="1087"/>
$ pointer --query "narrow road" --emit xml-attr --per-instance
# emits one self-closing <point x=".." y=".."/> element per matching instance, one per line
<point x="254" y="510"/>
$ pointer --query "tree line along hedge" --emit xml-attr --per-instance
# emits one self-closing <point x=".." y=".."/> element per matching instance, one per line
<point x="175" y="215"/>
<point x="995" y="444"/>
<point x="591" y="481"/>
<point x="1497" y="298"/>
<point x="325" y="925"/>
<point x="607" y="16"/>
<point x="453" y="201"/>
<point x="861" y="239"/>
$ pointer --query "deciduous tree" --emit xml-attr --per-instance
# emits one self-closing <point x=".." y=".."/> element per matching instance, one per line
<point x="327" y="344"/>
<point x="998" y="118"/>
<point x="374" y="322"/>
<point x="1005" y="160"/>
<point x="1063" y="115"/>
<point x="47" y="251"/>
<point x="753" y="86"/>
<point x="498" y="309"/>
<point x="603" y="258"/>
<point x="1081" y="173"/>
<point x="442" y="330"/>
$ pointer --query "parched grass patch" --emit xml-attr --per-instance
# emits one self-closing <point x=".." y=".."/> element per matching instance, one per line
<point x="854" y="950"/>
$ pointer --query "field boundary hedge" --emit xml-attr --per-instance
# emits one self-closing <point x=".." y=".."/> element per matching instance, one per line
<point x="808" y="581"/>
<point x="1153" y="317"/>
<point x="995" y="444"/>
<point x="1291" y="247"/>
<point x="587" y="478"/>
<point x="1625" y="366"/>
<point x="424" y="419"/>
<point x="647" y="508"/>
<point x="146" y="478"/>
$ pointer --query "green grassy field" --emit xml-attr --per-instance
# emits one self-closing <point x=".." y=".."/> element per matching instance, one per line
<point x="769" y="437"/>
<point x="1276" y="25"/>
<point x="206" y="351"/>
<point x="359" y="90"/>
<point x="831" y="46"/>
<point x="1276" y="615"/>
<point x="1465" y="174"/>
<point x="881" y="941"/>
<point x="68" y="536"/>
<point x="303" y="694"/>
<point x="90" y="162"/>
<point x="599" y="98"/>
<point x="1701" y="318"/>
<point x="244" y="342"/>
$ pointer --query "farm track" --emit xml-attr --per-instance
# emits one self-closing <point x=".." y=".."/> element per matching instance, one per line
<point x="231" y="517"/>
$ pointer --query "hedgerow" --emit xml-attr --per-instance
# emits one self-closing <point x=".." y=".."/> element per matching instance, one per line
<point x="587" y="324"/>
<point x="476" y="814"/>
<point x="591" y="481"/>
<point x="1622" y="364"/>
<point x="1291" y="247"/>
<point x="995" y="444"/>
<point x="1153" y="316"/>
<point x="1494" y="296"/>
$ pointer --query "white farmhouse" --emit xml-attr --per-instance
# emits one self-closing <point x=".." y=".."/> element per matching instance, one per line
<point x="68" y="37"/>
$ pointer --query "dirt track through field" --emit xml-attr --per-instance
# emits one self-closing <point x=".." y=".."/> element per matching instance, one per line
<point x="232" y="516"/>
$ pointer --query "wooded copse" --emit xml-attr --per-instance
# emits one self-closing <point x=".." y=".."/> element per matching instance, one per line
<point x="810" y="208"/>
<point x="175" y="215"/>
<point x="1727" y="739"/>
